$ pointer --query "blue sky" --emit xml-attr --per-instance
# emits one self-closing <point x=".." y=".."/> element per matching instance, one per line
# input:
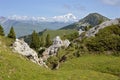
<point x="49" y="8"/>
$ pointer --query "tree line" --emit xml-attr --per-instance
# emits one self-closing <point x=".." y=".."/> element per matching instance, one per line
<point x="37" y="41"/>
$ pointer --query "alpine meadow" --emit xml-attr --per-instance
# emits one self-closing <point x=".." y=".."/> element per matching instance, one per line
<point x="60" y="40"/>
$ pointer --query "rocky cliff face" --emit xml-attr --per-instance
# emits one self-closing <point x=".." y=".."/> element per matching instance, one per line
<point x="23" y="48"/>
<point x="53" y="49"/>
<point x="96" y="29"/>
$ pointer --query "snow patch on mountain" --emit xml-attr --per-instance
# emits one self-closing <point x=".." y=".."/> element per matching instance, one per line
<point x="66" y="18"/>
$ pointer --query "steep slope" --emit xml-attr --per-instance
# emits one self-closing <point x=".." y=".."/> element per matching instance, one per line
<point x="96" y="29"/>
<point x="92" y="19"/>
<point x="16" y="67"/>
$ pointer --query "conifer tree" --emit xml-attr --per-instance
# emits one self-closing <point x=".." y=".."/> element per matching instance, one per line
<point x="48" y="41"/>
<point x="42" y="42"/>
<point x="1" y="31"/>
<point x="35" y="41"/>
<point x="12" y="33"/>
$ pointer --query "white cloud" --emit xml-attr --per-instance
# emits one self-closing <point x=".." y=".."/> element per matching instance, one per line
<point x="112" y="2"/>
<point x="66" y="18"/>
<point x="62" y="18"/>
<point x="17" y="17"/>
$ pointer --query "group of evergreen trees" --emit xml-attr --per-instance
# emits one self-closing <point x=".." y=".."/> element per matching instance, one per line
<point x="37" y="42"/>
<point x="11" y="34"/>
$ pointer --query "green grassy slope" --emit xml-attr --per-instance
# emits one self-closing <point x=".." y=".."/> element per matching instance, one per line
<point x="54" y="33"/>
<point x="90" y="67"/>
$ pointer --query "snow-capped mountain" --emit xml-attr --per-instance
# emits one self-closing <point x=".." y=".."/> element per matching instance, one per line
<point x="26" y="18"/>
<point x="63" y="18"/>
<point x="26" y="24"/>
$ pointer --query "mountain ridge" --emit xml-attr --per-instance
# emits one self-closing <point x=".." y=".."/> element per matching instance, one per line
<point x="91" y="19"/>
<point x="69" y="17"/>
<point x="27" y="26"/>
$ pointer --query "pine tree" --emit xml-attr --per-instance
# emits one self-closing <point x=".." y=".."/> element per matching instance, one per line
<point x="48" y="41"/>
<point x="12" y="33"/>
<point x="35" y="41"/>
<point x="42" y="42"/>
<point x="1" y="31"/>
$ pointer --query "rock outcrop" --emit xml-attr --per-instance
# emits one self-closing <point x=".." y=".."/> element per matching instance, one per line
<point x="23" y="48"/>
<point x="53" y="49"/>
<point x="96" y="29"/>
<point x="80" y="31"/>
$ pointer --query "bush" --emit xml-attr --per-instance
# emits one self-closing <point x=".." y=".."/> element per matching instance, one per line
<point x="106" y="39"/>
<point x="1" y="31"/>
<point x="40" y="51"/>
<point x="72" y="36"/>
<point x="52" y="62"/>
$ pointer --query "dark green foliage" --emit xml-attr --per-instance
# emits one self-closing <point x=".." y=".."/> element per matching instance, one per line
<point x="87" y="28"/>
<point x="42" y="42"/>
<point x="72" y="36"/>
<point x="1" y="31"/>
<point x="35" y="41"/>
<point x="69" y="53"/>
<point x="107" y="39"/>
<point x="12" y="33"/>
<point x="48" y="40"/>
<point x="53" y="62"/>
<point x="40" y="51"/>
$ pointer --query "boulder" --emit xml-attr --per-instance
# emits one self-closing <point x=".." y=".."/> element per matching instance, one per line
<point x="80" y="31"/>
<point x="23" y="48"/>
<point x="53" y="49"/>
<point x="66" y="43"/>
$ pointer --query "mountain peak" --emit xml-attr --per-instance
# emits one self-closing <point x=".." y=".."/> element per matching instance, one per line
<point x="91" y="19"/>
<point x="96" y="15"/>
<point x="94" y="19"/>
<point x="66" y="18"/>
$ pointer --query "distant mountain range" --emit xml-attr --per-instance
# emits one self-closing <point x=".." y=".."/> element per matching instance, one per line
<point x="24" y="25"/>
<point x="63" y="18"/>
<point x="92" y="19"/>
